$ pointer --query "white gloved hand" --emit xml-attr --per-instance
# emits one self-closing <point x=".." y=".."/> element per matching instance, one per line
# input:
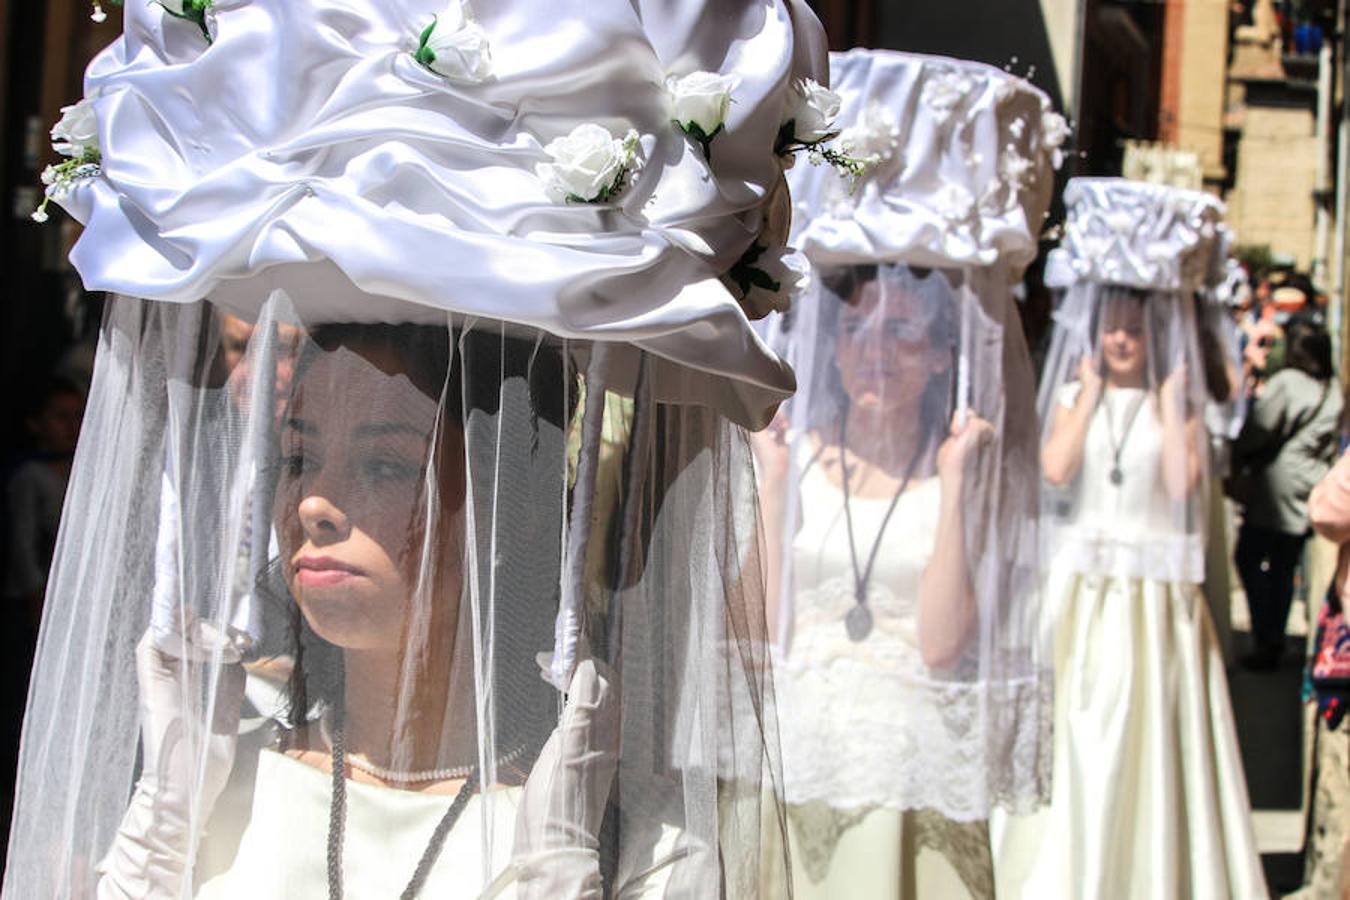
<point x="558" y="825"/>
<point x="181" y="778"/>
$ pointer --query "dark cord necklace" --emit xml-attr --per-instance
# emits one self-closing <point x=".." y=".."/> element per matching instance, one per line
<point x="1117" y="474"/>
<point x="337" y="822"/>
<point x="858" y="621"/>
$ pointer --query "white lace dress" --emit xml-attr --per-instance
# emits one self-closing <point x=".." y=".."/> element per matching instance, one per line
<point x="867" y="731"/>
<point x="1148" y="800"/>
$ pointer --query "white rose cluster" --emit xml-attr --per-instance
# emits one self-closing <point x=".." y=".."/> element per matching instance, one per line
<point x="700" y="103"/>
<point x="455" y="47"/>
<point x="76" y="138"/>
<point x="76" y="135"/>
<point x="590" y="165"/>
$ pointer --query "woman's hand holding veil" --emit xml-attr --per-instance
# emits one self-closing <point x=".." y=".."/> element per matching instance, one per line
<point x="183" y="771"/>
<point x="558" y="826"/>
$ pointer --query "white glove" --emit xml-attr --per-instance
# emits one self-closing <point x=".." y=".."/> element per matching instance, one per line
<point x="558" y="824"/>
<point x="177" y="790"/>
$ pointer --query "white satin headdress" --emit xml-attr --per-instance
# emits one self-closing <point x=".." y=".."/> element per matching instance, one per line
<point x="1138" y="235"/>
<point x="492" y="161"/>
<point x="961" y="165"/>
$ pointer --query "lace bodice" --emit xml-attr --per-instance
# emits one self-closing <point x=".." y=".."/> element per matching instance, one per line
<point x="867" y="723"/>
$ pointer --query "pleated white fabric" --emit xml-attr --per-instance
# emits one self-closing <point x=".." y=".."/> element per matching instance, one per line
<point x="1148" y="795"/>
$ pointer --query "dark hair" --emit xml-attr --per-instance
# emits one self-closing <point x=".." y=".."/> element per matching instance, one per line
<point x="1308" y="348"/>
<point x="470" y="371"/>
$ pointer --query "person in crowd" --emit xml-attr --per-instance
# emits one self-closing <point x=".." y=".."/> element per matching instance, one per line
<point x="33" y="497"/>
<point x="1287" y="444"/>
<point x="1329" y="516"/>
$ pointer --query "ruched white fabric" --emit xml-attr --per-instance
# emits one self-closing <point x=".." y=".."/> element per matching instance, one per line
<point x="1139" y="235"/>
<point x="306" y="133"/>
<point x="964" y="165"/>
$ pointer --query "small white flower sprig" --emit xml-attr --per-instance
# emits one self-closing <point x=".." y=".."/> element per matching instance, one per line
<point x="193" y="11"/>
<point x="808" y="124"/>
<point x="590" y="165"/>
<point x="455" y="47"/>
<point x="699" y="104"/>
<point x="74" y="137"/>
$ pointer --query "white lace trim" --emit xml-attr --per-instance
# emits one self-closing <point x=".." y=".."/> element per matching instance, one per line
<point x="854" y="736"/>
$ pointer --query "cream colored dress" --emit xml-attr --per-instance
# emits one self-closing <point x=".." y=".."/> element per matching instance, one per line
<point x="282" y="850"/>
<point x="860" y="721"/>
<point x="1149" y="800"/>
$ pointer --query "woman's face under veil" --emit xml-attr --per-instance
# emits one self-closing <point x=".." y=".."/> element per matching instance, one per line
<point x="1124" y="347"/>
<point x="884" y="351"/>
<point x="353" y="497"/>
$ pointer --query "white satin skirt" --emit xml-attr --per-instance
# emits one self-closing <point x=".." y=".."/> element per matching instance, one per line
<point x="1149" y="798"/>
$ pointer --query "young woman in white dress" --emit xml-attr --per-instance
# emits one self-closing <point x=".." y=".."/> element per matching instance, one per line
<point x="501" y="632"/>
<point x="883" y="606"/>
<point x="1149" y="798"/>
<point x="898" y="493"/>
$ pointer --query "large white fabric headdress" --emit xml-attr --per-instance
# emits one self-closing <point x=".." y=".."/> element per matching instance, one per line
<point x="1138" y="234"/>
<point x="333" y="154"/>
<point x="426" y="354"/>
<point x="961" y="165"/>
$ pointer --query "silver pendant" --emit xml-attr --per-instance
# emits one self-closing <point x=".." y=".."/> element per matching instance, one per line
<point x="1117" y="476"/>
<point x="858" y="623"/>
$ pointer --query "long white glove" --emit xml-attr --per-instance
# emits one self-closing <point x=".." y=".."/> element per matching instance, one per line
<point x="178" y="787"/>
<point x="557" y="852"/>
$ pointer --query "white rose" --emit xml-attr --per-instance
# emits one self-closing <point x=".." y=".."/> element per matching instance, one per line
<point x="944" y="92"/>
<point x="589" y="165"/>
<point x="701" y="100"/>
<point x="77" y="132"/>
<point x="783" y="275"/>
<point x="1015" y="168"/>
<point x="1055" y="131"/>
<point x="875" y="138"/>
<point x="811" y="110"/>
<point x="455" y="47"/>
<point x="956" y="203"/>
<point x="189" y="10"/>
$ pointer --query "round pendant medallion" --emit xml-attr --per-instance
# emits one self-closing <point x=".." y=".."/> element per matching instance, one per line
<point x="1117" y="476"/>
<point x="858" y="622"/>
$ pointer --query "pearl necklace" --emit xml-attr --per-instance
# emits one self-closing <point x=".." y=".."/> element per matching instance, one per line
<point x="397" y="776"/>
